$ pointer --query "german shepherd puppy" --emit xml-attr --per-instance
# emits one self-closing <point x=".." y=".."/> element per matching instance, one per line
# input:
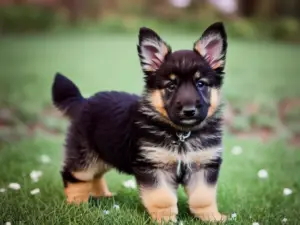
<point x="170" y="135"/>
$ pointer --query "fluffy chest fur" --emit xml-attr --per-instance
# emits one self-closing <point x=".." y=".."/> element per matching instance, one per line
<point x="163" y="148"/>
<point x="188" y="152"/>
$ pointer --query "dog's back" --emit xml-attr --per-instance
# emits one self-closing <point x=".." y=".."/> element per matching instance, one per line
<point x="101" y="126"/>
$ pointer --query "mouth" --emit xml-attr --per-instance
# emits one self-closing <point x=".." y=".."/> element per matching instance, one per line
<point x="185" y="121"/>
<point x="188" y="121"/>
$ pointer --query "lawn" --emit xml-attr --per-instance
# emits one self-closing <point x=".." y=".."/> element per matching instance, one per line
<point x="260" y="76"/>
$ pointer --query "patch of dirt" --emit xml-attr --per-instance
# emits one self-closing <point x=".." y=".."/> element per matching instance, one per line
<point x="38" y="126"/>
<point x="252" y="108"/>
<point x="286" y="106"/>
<point x="7" y="117"/>
<point x="228" y="115"/>
<point x="295" y="140"/>
<point x="13" y="129"/>
<point x="52" y="111"/>
<point x="263" y="134"/>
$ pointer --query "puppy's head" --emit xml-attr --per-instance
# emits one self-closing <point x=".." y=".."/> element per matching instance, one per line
<point x="183" y="86"/>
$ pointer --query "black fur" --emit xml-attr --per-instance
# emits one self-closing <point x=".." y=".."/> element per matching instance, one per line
<point x="114" y="126"/>
<point x="66" y="96"/>
<point x="212" y="171"/>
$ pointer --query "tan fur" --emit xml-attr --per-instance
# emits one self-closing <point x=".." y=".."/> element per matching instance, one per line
<point x="218" y="64"/>
<point x="157" y="102"/>
<point x="199" y="49"/>
<point x="214" y="101"/>
<point x="87" y="175"/>
<point x="172" y="77"/>
<point x="96" y="168"/>
<point x="204" y="80"/>
<point x="160" y="201"/>
<point x="165" y="50"/>
<point x="197" y="75"/>
<point x="169" y="154"/>
<point x="100" y="188"/>
<point x="202" y="198"/>
<point x="93" y="183"/>
<point x="78" y="192"/>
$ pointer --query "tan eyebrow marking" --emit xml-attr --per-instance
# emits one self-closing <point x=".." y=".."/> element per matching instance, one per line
<point x="205" y="80"/>
<point x="172" y="77"/>
<point x="197" y="75"/>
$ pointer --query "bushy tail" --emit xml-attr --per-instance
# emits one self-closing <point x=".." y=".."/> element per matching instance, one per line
<point x="66" y="96"/>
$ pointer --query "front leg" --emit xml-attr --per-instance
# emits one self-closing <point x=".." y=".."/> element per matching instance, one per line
<point x="201" y="189"/>
<point x="159" y="197"/>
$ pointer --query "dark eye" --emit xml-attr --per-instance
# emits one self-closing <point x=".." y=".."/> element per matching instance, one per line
<point x="200" y="84"/>
<point x="171" y="86"/>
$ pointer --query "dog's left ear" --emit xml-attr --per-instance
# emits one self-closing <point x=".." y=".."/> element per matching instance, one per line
<point x="152" y="50"/>
<point x="213" y="45"/>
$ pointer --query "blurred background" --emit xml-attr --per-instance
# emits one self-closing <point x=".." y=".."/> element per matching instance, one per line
<point x="273" y="19"/>
<point x="93" y="42"/>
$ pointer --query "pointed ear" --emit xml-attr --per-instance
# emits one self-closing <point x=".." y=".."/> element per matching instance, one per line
<point x="152" y="50"/>
<point x="213" y="45"/>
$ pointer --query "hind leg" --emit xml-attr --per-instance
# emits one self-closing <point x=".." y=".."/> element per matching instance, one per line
<point x="76" y="190"/>
<point x="80" y="184"/>
<point x="100" y="188"/>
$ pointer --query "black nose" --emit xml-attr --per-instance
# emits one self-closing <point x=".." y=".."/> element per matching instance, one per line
<point x="189" y="111"/>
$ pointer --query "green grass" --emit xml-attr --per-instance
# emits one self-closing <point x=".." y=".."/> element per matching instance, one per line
<point x="256" y="72"/>
<point x="240" y="190"/>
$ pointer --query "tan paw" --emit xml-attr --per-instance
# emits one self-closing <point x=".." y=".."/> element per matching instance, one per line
<point x="77" y="199"/>
<point x="106" y="194"/>
<point x="212" y="217"/>
<point x="77" y="193"/>
<point x="163" y="216"/>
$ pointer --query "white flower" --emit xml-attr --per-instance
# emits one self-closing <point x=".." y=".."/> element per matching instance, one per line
<point x="35" y="191"/>
<point x="263" y="174"/>
<point x="8" y="223"/>
<point x="14" y="186"/>
<point x="2" y="190"/>
<point x="116" y="206"/>
<point x="236" y="150"/>
<point x="35" y="175"/>
<point x="45" y="159"/>
<point x="129" y="184"/>
<point x="284" y="220"/>
<point x="255" y="223"/>
<point x="287" y="191"/>
<point x="106" y="212"/>
<point x="233" y="216"/>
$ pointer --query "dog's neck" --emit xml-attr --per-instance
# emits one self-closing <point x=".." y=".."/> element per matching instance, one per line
<point x="151" y="120"/>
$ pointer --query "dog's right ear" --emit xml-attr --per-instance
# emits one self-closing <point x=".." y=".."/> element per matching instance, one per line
<point x="152" y="50"/>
